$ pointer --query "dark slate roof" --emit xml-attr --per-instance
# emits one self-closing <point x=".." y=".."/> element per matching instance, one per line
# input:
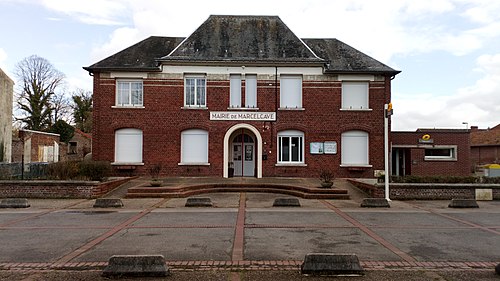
<point x="141" y="56"/>
<point x="258" y="39"/>
<point x="344" y="58"/>
<point x="237" y="39"/>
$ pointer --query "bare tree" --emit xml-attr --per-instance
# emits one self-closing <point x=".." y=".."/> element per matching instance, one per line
<point x="61" y="108"/>
<point x="38" y="80"/>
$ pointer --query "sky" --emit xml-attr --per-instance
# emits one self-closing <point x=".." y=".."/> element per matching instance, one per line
<point x="448" y="50"/>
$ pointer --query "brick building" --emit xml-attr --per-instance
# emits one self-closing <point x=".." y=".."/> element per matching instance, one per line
<point x="6" y="95"/>
<point x="36" y="146"/>
<point x="431" y="152"/>
<point x="485" y="145"/>
<point x="242" y="95"/>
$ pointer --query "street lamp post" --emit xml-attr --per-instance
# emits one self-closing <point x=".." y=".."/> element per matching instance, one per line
<point x="387" y="112"/>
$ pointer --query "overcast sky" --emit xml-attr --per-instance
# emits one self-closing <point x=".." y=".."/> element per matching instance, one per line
<point x="448" y="50"/>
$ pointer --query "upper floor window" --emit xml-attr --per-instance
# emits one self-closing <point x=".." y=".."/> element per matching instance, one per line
<point x="195" y="91"/>
<point x="291" y="91"/>
<point x="291" y="147"/>
<point x="250" y="90"/>
<point x="129" y="93"/>
<point x="235" y="98"/>
<point x="235" y="90"/>
<point x="355" y="95"/>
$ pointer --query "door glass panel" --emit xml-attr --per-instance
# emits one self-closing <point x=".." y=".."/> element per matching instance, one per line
<point x="249" y="152"/>
<point x="237" y="153"/>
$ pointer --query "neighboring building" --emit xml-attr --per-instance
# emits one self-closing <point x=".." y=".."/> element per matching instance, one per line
<point x="241" y="94"/>
<point x="485" y="145"/>
<point x="37" y="146"/>
<point x="79" y="146"/>
<point x="431" y="152"/>
<point x="6" y="95"/>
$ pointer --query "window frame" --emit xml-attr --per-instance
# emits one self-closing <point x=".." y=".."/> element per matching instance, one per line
<point x="196" y="79"/>
<point x="345" y="146"/>
<point x="118" y="94"/>
<point x="283" y="92"/>
<point x="366" y="103"/>
<point x="235" y="90"/>
<point x="251" y="91"/>
<point x="290" y="134"/>
<point x="117" y="157"/>
<point x="452" y="156"/>
<point x="184" y="148"/>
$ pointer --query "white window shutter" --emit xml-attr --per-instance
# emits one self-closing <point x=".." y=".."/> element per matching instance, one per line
<point x="128" y="146"/>
<point x="355" y="95"/>
<point x="291" y="91"/>
<point x="194" y="146"/>
<point x="354" y="149"/>
<point x="235" y="89"/>
<point x="251" y="90"/>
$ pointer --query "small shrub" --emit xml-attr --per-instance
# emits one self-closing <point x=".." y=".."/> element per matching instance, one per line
<point x="63" y="170"/>
<point x="95" y="170"/>
<point x="154" y="171"/>
<point x="326" y="176"/>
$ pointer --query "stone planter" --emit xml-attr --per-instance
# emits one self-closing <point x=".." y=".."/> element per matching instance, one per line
<point x="155" y="183"/>
<point x="326" y="184"/>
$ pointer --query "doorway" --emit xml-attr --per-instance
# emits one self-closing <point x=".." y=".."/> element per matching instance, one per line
<point x="243" y="154"/>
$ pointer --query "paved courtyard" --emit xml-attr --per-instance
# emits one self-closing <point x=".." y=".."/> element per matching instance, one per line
<point x="244" y="233"/>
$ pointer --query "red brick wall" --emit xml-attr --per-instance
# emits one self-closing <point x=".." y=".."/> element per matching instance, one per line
<point x="488" y="154"/>
<point x="162" y="121"/>
<point x="421" y="167"/>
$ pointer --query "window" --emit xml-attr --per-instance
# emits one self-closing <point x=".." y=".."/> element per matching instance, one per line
<point x="129" y="93"/>
<point x="290" y="91"/>
<point x="194" y="147"/>
<point x="251" y="90"/>
<point x="355" y="95"/>
<point x="72" y="147"/>
<point x="195" y="91"/>
<point x="235" y="89"/>
<point x="128" y="146"/>
<point x="354" y="150"/>
<point x="290" y="147"/>
<point x="440" y="153"/>
<point x="235" y="99"/>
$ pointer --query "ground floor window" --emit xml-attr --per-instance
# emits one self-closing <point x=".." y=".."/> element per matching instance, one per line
<point x="194" y="147"/>
<point x="354" y="148"/>
<point x="291" y="147"/>
<point x="440" y="153"/>
<point x="128" y="146"/>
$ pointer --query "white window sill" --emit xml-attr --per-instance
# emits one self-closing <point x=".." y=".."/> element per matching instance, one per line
<point x="356" y="109"/>
<point x="128" y="106"/>
<point x="243" y="108"/>
<point x="427" y="158"/>
<point x="355" y="166"/>
<point x="290" y="165"/>
<point x="127" y="164"/>
<point x="195" y="107"/>
<point x="193" y="164"/>
<point x="291" y="108"/>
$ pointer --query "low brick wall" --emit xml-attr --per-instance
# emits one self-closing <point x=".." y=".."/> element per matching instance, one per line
<point x="426" y="191"/>
<point x="58" y="189"/>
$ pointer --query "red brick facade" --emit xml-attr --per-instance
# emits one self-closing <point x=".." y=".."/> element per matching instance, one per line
<point x="163" y="118"/>
<point x="413" y="146"/>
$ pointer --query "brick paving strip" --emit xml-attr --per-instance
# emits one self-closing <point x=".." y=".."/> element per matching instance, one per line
<point x="239" y="233"/>
<point x="67" y="258"/>
<point x="32" y="216"/>
<point x="369" y="232"/>
<point x="458" y="220"/>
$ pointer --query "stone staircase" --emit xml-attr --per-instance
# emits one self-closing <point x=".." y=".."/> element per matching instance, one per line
<point x="181" y="191"/>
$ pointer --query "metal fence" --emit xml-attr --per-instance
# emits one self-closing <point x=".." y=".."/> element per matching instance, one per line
<point x="13" y="171"/>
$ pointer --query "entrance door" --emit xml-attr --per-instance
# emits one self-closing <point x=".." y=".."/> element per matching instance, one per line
<point x="244" y="156"/>
<point x="401" y="165"/>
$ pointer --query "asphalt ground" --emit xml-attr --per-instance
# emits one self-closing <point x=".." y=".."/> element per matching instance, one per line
<point x="244" y="238"/>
